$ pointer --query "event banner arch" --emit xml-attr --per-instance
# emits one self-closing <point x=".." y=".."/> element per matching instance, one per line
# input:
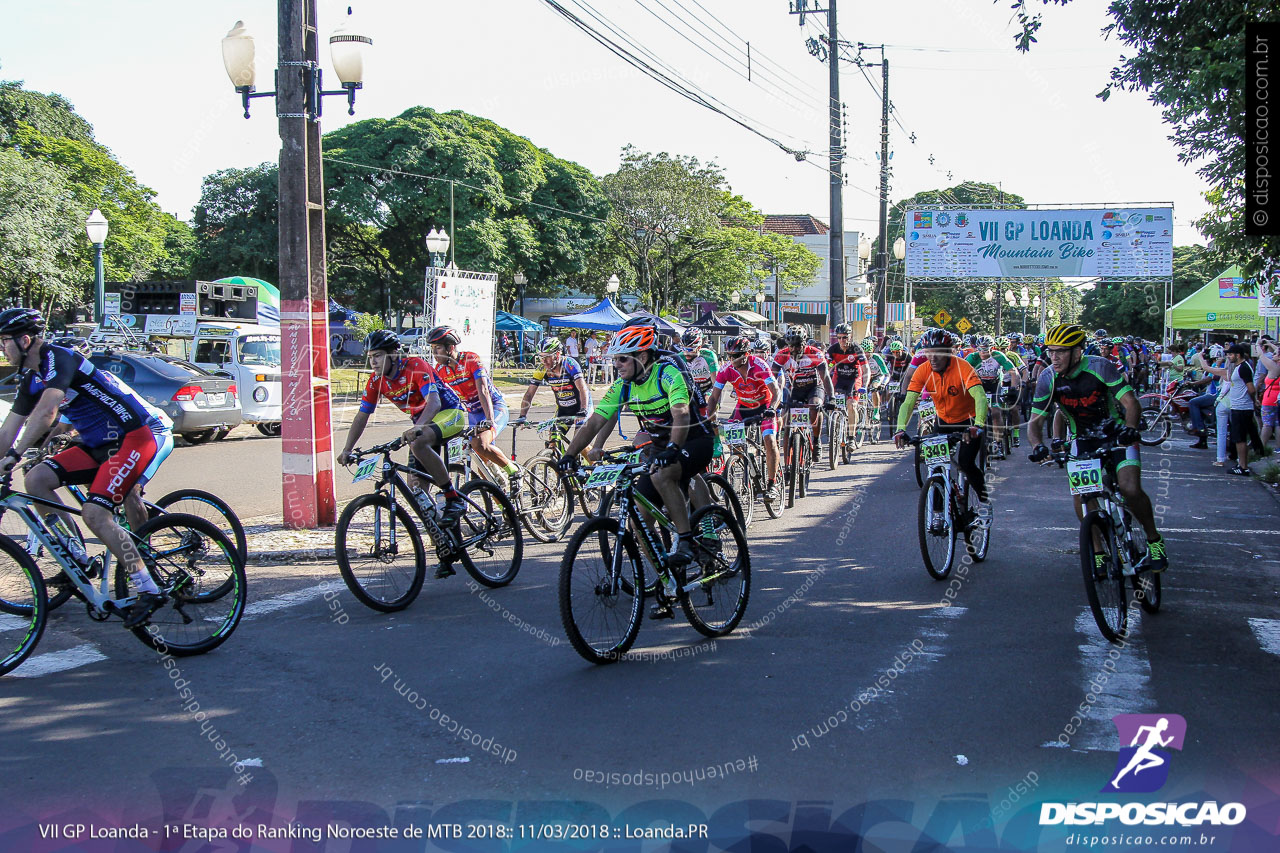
<point x="1124" y="243"/>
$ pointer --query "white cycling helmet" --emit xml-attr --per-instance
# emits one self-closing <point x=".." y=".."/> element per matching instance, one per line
<point x="1216" y="351"/>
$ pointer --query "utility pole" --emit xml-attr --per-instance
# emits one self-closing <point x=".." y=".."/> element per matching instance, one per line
<point x="882" y="257"/>
<point x="835" y="161"/>
<point x="304" y="305"/>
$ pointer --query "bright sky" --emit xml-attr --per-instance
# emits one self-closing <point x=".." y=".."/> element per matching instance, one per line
<point x="148" y="75"/>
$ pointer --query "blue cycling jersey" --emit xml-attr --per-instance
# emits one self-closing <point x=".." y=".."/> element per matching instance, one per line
<point x="101" y="407"/>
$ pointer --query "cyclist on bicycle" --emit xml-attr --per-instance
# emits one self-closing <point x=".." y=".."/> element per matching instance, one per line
<point x="415" y="388"/>
<point x="485" y="407"/>
<point x="700" y="359"/>
<point x="122" y="443"/>
<point x="898" y="360"/>
<point x="1100" y="408"/>
<point x="850" y="365"/>
<point x="563" y="374"/>
<point x="654" y="390"/>
<point x="960" y="404"/>
<point x="878" y="373"/>
<point x="994" y="368"/>
<point x="757" y="391"/>
<point x="803" y="365"/>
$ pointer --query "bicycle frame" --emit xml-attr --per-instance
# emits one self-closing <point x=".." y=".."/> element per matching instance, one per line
<point x="954" y="482"/>
<point x="98" y="599"/>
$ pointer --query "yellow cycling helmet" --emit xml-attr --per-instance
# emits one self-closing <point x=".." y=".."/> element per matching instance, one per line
<point x="1065" y="335"/>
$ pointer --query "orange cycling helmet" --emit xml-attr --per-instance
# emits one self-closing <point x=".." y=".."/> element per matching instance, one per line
<point x="632" y="339"/>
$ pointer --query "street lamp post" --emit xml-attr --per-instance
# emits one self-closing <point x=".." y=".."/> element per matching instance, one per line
<point x="307" y="430"/>
<point x="612" y="285"/>
<point x="899" y="253"/>
<point x="96" y="227"/>
<point x="437" y="247"/>
<point x="520" y="281"/>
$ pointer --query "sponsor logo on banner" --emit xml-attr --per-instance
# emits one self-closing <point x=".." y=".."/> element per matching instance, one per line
<point x="186" y="303"/>
<point x="944" y="219"/>
<point x="962" y="221"/>
<point x="1143" y="762"/>
<point x="171" y="324"/>
<point x="924" y="219"/>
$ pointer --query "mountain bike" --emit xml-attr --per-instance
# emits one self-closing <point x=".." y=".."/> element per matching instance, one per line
<point x="796" y="450"/>
<point x="539" y="500"/>
<point x="602" y="583"/>
<point x="194" y="565"/>
<point x="1113" y="545"/>
<point x="380" y="552"/>
<point x="947" y="507"/>
<point x="890" y="404"/>
<point x="747" y="470"/>
<point x="838" y="434"/>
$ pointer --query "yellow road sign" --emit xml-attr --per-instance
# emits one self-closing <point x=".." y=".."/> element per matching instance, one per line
<point x="942" y="318"/>
<point x="963" y="325"/>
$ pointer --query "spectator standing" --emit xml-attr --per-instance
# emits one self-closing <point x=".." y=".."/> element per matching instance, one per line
<point x="1199" y="407"/>
<point x="1269" y="371"/>
<point x="1240" y="391"/>
<point x="571" y="347"/>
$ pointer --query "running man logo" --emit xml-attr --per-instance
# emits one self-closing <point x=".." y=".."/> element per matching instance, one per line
<point x="1143" y="765"/>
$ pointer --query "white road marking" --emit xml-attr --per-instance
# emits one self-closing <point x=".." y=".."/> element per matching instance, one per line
<point x="1268" y="633"/>
<point x="463" y="760"/>
<point x="1118" y="678"/>
<point x="289" y="599"/>
<point x="76" y="656"/>
<point x="1227" y="530"/>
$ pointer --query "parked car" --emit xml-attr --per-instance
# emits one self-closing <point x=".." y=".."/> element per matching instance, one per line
<point x="411" y="338"/>
<point x="201" y="405"/>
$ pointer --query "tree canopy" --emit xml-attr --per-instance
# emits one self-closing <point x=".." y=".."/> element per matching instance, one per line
<point x="48" y="144"/>
<point x="1189" y="58"/>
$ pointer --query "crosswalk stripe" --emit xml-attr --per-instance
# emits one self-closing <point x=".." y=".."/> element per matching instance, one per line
<point x="76" y="656"/>
<point x="1268" y="633"/>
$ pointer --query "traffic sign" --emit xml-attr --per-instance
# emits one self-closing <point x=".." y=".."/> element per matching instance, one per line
<point x="942" y="318"/>
<point x="963" y="325"/>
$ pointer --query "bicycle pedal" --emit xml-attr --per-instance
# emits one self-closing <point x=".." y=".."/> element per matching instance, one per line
<point x="445" y="570"/>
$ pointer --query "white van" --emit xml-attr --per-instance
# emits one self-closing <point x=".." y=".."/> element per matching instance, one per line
<point x="249" y="354"/>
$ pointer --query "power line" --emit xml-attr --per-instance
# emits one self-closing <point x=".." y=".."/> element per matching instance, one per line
<point x="764" y="58"/>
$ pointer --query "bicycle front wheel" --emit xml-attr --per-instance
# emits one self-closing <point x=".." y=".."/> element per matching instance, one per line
<point x="23" y="605"/>
<point x="937" y="529"/>
<point x="835" y="439"/>
<point x="549" y="500"/>
<point x="723" y="494"/>
<point x="1104" y="583"/>
<point x="738" y="473"/>
<point x="1155" y="426"/>
<point x="58" y="586"/>
<point x="380" y="553"/>
<point x="601" y="591"/>
<point x="492" y="545"/>
<point x="202" y="578"/>
<point x="211" y="508"/>
<point x="793" y="451"/>
<point x="715" y="606"/>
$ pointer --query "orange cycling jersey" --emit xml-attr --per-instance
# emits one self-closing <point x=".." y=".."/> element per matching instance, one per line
<point x="950" y="391"/>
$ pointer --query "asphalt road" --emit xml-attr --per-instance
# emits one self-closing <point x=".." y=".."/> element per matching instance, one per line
<point x="855" y="678"/>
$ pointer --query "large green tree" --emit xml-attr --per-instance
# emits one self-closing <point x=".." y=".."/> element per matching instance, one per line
<point x="143" y="242"/>
<point x="1189" y="58"/>
<point x="40" y="233"/>
<point x="684" y="234"/>
<point x="236" y="226"/>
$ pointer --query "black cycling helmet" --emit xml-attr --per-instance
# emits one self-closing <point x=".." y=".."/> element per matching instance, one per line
<point x="843" y="329"/>
<point x="383" y="339"/>
<point x="1101" y="333"/>
<point x="21" y="321"/>
<point x="446" y="335"/>
<point x="736" y="346"/>
<point x="937" y="339"/>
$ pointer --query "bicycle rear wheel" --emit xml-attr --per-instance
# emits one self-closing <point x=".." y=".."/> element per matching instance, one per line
<point x="380" y="553"/>
<point x="937" y="529"/>
<point x="716" y="604"/>
<point x="601" y="591"/>
<point x="24" y="605"/>
<point x="212" y="509"/>
<point x="202" y="578"/>
<point x="1103" y="581"/>
<point x="489" y="531"/>
<point x="1146" y="584"/>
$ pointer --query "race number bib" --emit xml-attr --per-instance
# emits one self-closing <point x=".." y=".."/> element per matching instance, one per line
<point x="604" y="475"/>
<point x="458" y="450"/>
<point x="894" y="386"/>
<point x="800" y="417"/>
<point x="935" y="449"/>
<point x="840" y="400"/>
<point x="924" y="410"/>
<point x="735" y="434"/>
<point x="1085" y="476"/>
<point x="366" y="470"/>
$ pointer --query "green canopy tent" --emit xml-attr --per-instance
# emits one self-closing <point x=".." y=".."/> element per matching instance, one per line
<point x="1217" y="305"/>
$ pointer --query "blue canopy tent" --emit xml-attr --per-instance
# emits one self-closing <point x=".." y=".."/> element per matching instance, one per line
<point x="662" y="324"/>
<point x="507" y="322"/>
<point x="604" y="317"/>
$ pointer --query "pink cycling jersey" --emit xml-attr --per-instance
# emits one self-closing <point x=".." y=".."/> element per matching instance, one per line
<point x="754" y="389"/>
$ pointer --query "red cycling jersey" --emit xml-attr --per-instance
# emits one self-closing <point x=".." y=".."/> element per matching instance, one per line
<point x="754" y="388"/>
<point x="803" y="370"/>
<point x="467" y="377"/>
<point x="408" y="389"/>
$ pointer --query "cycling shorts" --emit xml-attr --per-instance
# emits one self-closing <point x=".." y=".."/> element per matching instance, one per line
<point x="699" y="449"/>
<point x="1120" y="457"/>
<point x="807" y="396"/>
<point x="876" y="382"/>
<point x="844" y="384"/>
<point x="446" y="424"/>
<point x="111" y="470"/>
<point x="501" y="414"/>
<point x="768" y="422"/>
